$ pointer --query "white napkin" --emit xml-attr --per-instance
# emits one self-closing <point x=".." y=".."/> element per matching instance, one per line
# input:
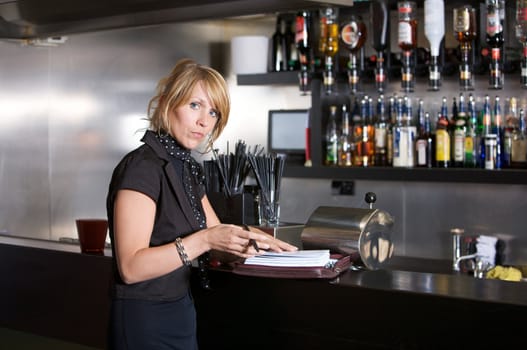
<point x="486" y="249"/>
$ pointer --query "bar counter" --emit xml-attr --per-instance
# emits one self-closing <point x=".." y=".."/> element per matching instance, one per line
<point x="53" y="290"/>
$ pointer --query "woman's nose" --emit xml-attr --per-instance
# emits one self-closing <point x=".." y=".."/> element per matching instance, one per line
<point x="205" y="119"/>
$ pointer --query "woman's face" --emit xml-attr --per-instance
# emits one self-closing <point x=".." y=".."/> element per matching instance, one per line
<point x="194" y="120"/>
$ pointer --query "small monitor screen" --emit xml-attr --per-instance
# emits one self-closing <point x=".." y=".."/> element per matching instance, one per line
<point x="287" y="130"/>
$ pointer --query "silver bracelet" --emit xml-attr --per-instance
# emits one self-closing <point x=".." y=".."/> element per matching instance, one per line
<point x="181" y="251"/>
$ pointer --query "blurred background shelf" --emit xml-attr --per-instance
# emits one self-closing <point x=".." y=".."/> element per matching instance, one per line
<point x="464" y="175"/>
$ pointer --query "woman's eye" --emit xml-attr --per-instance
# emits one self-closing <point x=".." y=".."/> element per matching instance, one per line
<point x="213" y="113"/>
<point x="194" y="105"/>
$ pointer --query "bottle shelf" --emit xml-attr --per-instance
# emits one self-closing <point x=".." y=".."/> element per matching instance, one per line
<point x="446" y="175"/>
<point x="271" y="78"/>
<point x="460" y="175"/>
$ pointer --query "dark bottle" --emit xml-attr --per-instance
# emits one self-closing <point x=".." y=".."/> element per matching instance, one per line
<point x="291" y="55"/>
<point x="303" y="34"/>
<point x="279" y="56"/>
<point x="424" y="145"/>
<point x="379" y="14"/>
<point x="495" y="39"/>
<point x="498" y="131"/>
<point x="453" y="118"/>
<point x="451" y="127"/>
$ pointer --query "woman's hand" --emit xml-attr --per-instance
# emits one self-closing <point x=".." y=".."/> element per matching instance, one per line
<point x="241" y="242"/>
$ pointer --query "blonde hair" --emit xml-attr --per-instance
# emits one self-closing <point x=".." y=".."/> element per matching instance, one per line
<point x="175" y="90"/>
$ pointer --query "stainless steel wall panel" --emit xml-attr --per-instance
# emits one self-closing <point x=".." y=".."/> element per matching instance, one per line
<point x="425" y="212"/>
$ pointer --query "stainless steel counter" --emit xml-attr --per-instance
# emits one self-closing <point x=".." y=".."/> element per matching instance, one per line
<point x="72" y="247"/>
<point x="51" y="289"/>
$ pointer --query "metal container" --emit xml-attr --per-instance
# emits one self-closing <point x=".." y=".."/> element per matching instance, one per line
<point x="366" y="232"/>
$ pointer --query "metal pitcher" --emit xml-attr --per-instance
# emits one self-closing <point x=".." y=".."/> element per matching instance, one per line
<point x="367" y="232"/>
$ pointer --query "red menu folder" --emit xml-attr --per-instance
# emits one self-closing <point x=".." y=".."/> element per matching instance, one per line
<point x="302" y="272"/>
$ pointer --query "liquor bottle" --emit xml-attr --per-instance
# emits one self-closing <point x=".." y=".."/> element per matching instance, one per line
<point x="471" y="137"/>
<point x="460" y="132"/>
<point x="353" y="36"/>
<point x="424" y="145"/>
<point x="444" y="113"/>
<point x="434" y="32"/>
<point x="486" y="133"/>
<point x="291" y="54"/>
<point x="498" y="131"/>
<point x="308" y="162"/>
<point x="345" y="146"/>
<point x="453" y="117"/>
<point x="330" y="46"/>
<point x="521" y="35"/>
<point x="509" y="128"/>
<point x="487" y="116"/>
<point x="368" y="133"/>
<point x="495" y="39"/>
<point x="442" y="140"/>
<point x="278" y="59"/>
<point x="407" y="31"/>
<point x="381" y="129"/>
<point x="357" y="126"/>
<point x="490" y="151"/>
<point x="404" y="135"/>
<point x="465" y="33"/>
<point x="303" y="34"/>
<point x="379" y="14"/>
<point x="322" y="31"/>
<point x="420" y="116"/>
<point x="389" y="131"/>
<point x="332" y="137"/>
<point x="519" y="143"/>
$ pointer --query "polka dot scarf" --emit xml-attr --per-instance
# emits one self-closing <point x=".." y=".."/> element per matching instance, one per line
<point x="192" y="177"/>
<point x="191" y="170"/>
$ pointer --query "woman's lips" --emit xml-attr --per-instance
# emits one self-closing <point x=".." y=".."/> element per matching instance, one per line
<point x="198" y="135"/>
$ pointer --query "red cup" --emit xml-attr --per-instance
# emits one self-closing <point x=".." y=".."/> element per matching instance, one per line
<point x="92" y="235"/>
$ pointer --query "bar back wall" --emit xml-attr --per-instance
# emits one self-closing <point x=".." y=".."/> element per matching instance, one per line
<point x="69" y="113"/>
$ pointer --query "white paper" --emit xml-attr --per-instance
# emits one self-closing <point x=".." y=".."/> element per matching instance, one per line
<point x="299" y="258"/>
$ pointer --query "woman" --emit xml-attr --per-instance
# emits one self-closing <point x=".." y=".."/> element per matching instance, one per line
<point x="160" y="218"/>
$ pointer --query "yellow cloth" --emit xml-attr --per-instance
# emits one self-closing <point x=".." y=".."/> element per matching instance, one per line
<point x="504" y="273"/>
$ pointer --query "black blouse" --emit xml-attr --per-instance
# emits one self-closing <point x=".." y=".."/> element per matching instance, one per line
<point x="149" y="170"/>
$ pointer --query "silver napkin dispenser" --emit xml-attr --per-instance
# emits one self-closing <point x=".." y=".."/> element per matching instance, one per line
<point x="367" y="232"/>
